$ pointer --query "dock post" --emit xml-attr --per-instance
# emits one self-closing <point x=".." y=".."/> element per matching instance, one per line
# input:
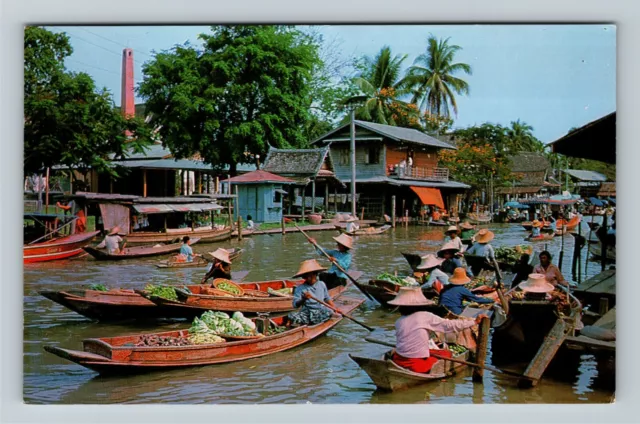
<point x="283" y="225"/>
<point x="481" y="349"/>
<point x="362" y="215"/>
<point x="239" y="228"/>
<point x="313" y="196"/>
<point x="603" y="306"/>
<point x="326" y="198"/>
<point x="335" y="200"/>
<point x="406" y="218"/>
<point x="393" y="211"/>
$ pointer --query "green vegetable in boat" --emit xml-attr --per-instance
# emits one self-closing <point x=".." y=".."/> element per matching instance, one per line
<point x="400" y="281"/>
<point x="98" y="287"/>
<point x="162" y="291"/>
<point x="229" y="288"/>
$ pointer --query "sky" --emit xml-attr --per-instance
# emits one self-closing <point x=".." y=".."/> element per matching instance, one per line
<point x="553" y="77"/>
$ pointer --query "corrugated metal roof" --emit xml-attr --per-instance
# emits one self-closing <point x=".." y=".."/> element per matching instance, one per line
<point x="151" y="209"/>
<point x="584" y="175"/>
<point x="417" y="183"/>
<point x="186" y="207"/>
<point x="165" y="164"/>
<point x="528" y="162"/>
<point x="259" y="176"/>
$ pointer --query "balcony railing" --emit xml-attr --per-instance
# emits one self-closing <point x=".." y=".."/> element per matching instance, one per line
<point x="421" y="173"/>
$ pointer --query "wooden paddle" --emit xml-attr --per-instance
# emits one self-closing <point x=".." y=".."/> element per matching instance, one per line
<point x="343" y="314"/>
<point x="459" y="361"/>
<point x="335" y="263"/>
<point x="503" y="300"/>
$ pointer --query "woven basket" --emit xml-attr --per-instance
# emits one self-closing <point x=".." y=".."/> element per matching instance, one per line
<point x="217" y="282"/>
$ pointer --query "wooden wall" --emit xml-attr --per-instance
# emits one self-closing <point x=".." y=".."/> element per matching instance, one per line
<point x="425" y="157"/>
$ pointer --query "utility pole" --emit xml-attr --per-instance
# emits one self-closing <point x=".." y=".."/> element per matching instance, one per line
<point x="353" y="161"/>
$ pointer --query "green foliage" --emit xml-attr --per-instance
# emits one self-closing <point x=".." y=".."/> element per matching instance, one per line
<point x="247" y="89"/>
<point x="431" y="78"/>
<point x="67" y="120"/>
<point x="521" y="138"/>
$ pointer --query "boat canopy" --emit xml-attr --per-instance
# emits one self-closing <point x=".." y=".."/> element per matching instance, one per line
<point x="187" y="207"/>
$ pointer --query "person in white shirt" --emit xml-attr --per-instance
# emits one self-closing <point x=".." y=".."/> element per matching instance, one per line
<point x="112" y="242"/>
<point x="351" y="225"/>
<point x="250" y="224"/>
<point x="430" y="264"/>
<point x="451" y="236"/>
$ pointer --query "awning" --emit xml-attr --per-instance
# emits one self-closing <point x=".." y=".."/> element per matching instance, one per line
<point x="429" y="196"/>
<point x="150" y="209"/>
<point x="183" y="207"/>
<point x="279" y="190"/>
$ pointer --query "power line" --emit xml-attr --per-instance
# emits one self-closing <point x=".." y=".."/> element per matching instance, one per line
<point x="92" y="66"/>
<point x="139" y="51"/>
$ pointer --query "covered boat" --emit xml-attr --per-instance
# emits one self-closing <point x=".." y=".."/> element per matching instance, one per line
<point x="136" y="251"/>
<point x="58" y="248"/>
<point x="389" y="376"/>
<point x="120" y="355"/>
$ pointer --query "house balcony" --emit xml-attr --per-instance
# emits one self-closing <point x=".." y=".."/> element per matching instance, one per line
<point x="420" y="173"/>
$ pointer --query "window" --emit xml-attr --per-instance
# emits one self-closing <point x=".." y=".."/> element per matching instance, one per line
<point x="277" y="196"/>
<point x="372" y="155"/>
<point x="344" y="157"/>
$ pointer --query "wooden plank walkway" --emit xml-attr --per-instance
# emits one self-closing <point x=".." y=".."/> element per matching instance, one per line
<point x="546" y="353"/>
<point x="603" y="283"/>
<point x="607" y="322"/>
<point x="306" y="228"/>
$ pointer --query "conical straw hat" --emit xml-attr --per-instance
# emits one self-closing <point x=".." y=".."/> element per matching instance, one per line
<point x="429" y="261"/>
<point x="466" y="226"/>
<point x="536" y="224"/>
<point x="448" y="246"/>
<point x="452" y="228"/>
<point x="114" y="230"/>
<point x="345" y="240"/>
<point x="484" y="236"/>
<point x="536" y="284"/>
<point x="310" y="265"/>
<point x="221" y="255"/>
<point x="410" y="296"/>
<point x="459" y="277"/>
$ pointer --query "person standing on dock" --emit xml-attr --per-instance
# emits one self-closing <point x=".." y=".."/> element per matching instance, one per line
<point x="342" y="256"/>
<point x="221" y="267"/>
<point x="451" y="236"/>
<point x="413" y="343"/>
<point x="311" y="312"/>
<point x="551" y="272"/>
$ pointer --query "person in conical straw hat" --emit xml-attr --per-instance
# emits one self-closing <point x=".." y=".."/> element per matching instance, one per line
<point x="341" y="256"/>
<point x="451" y="235"/>
<point x="448" y="251"/>
<point x="437" y="278"/>
<point x="221" y="266"/>
<point x="535" y="228"/>
<point x="112" y="242"/>
<point x="413" y="343"/>
<point x="351" y="224"/>
<point x="467" y="231"/>
<point x="536" y="287"/>
<point x="482" y="247"/>
<point x="452" y="296"/>
<point x="311" y="312"/>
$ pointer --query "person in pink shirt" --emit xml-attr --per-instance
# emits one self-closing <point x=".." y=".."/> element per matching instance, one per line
<point x="413" y="344"/>
<point x="551" y="272"/>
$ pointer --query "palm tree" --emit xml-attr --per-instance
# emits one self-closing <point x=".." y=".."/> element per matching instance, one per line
<point x="432" y="80"/>
<point x="379" y="82"/>
<point x="522" y="138"/>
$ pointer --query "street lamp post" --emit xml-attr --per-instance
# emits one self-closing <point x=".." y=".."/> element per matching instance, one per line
<point x="353" y="161"/>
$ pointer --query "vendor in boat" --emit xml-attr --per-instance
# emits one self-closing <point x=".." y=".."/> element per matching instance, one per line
<point x="430" y="264"/>
<point x="452" y="296"/>
<point x="536" y="287"/>
<point x="535" y="229"/>
<point x="250" y="224"/>
<point x="551" y="272"/>
<point x="351" y="224"/>
<point x="342" y="256"/>
<point x="482" y="246"/>
<point x="221" y="267"/>
<point x="552" y="223"/>
<point x="311" y="312"/>
<point x="112" y="242"/>
<point x="451" y="236"/>
<point x="186" y="251"/>
<point x="448" y="252"/>
<point x="413" y="343"/>
<point x="467" y="231"/>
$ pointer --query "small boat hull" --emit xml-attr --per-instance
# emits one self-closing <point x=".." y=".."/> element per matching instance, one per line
<point x="542" y="237"/>
<point x="136" y="252"/>
<point x="119" y="355"/>
<point x="61" y="248"/>
<point x="390" y="377"/>
<point x="477" y="218"/>
<point x="369" y="231"/>
<point x="208" y="236"/>
<point x="234" y="253"/>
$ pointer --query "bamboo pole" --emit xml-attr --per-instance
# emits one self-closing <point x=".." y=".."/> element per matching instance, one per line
<point x="326" y="197"/>
<point x="239" y="227"/>
<point x="313" y="196"/>
<point x="46" y="197"/>
<point x="393" y="211"/>
<point x="481" y="349"/>
<point x="282" y="224"/>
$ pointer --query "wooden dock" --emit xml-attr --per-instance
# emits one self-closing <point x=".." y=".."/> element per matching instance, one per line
<point x="598" y="290"/>
<point x="306" y="228"/>
<point x="607" y="322"/>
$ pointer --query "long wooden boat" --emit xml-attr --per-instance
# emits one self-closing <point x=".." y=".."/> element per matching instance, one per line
<point x="119" y="355"/>
<point x="479" y="218"/>
<point x="60" y="248"/>
<point x="136" y="252"/>
<point x="384" y="291"/>
<point x="196" y="301"/>
<point x="475" y="261"/>
<point x="414" y="259"/>
<point x="434" y="223"/>
<point x="197" y="262"/>
<point x="205" y="236"/>
<point x="596" y="251"/>
<point x="388" y="376"/>
<point x="541" y="237"/>
<point x="365" y="231"/>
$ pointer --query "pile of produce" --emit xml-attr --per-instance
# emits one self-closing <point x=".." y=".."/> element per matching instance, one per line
<point x="98" y="287"/>
<point x="228" y="286"/>
<point x="406" y="281"/>
<point x="221" y="323"/>
<point x="287" y="291"/>
<point x="479" y="281"/>
<point x="200" y="333"/>
<point x="511" y="254"/>
<point x="152" y="340"/>
<point x="275" y="330"/>
<point x="162" y="291"/>
<point x="457" y="349"/>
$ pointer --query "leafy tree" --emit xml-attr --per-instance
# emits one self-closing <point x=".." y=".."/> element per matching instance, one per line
<point x="67" y="120"/>
<point x="247" y="89"/>
<point x="379" y="82"/>
<point x="432" y="78"/>
<point x="522" y="138"/>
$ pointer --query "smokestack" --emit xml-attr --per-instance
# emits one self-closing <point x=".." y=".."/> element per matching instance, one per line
<point x="127" y="103"/>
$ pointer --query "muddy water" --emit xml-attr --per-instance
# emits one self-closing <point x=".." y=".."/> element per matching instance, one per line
<point x="318" y="372"/>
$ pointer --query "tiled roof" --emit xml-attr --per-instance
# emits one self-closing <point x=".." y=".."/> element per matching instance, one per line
<point x="528" y="162"/>
<point x="300" y="162"/>
<point x="259" y="176"/>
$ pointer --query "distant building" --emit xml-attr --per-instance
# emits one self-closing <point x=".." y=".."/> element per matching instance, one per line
<point x="532" y="177"/>
<point x="586" y="183"/>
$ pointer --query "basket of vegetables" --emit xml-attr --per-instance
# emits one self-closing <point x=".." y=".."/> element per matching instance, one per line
<point x="228" y="286"/>
<point x="235" y="327"/>
<point x="161" y="291"/>
<point x="394" y="279"/>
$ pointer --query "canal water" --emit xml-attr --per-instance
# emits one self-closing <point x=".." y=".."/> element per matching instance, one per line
<point x="318" y="372"/>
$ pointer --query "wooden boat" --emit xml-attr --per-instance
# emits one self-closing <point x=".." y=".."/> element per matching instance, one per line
<point x="119" y="355"/>
<point x="596" y="251"/>
<point x="199" y="261"/>
<point x="528" y="225"/>
<point x="541" y="237"/>
<point x="389" y="376"/>
<point x="479" y="218"/>
<point x="366" y="231"/>
<point x="196" y="301"/>
<point x="59" y="248"/>
<point x="414" y="259"/>
<point x="434" y="223"/>
<point x="137" y="251"/>
<point x="480" y="262"/>
<point x="570" y="224"/>
<point x="384" y="291"/>
<point x="205" y="235"/>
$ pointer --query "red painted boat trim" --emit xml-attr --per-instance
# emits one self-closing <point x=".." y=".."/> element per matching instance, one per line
<point x="61" y="248"/>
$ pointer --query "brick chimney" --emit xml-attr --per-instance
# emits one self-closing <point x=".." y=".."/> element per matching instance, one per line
<point x="127" y="104"/>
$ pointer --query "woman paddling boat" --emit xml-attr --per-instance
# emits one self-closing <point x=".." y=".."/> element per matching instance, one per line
<point x="452" y="296"/>
<point x="186" y="251"/>
<point x="311" y="311"/>
<point x="448" y="252"/>
<point x="342" y="256"/>
<point x="413" y="343"/>
<point x="467" y="231"/>
<point x="112" y="242"/>
<point x="437" y="278"/>
<point x="221" y="267"/>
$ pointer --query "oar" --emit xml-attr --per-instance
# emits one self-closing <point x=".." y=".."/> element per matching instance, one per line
<point x="459" y="361"/>
<point x="336" y="264"/>
<point x="503" y="300"/>
<point x="343" y="314"/>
